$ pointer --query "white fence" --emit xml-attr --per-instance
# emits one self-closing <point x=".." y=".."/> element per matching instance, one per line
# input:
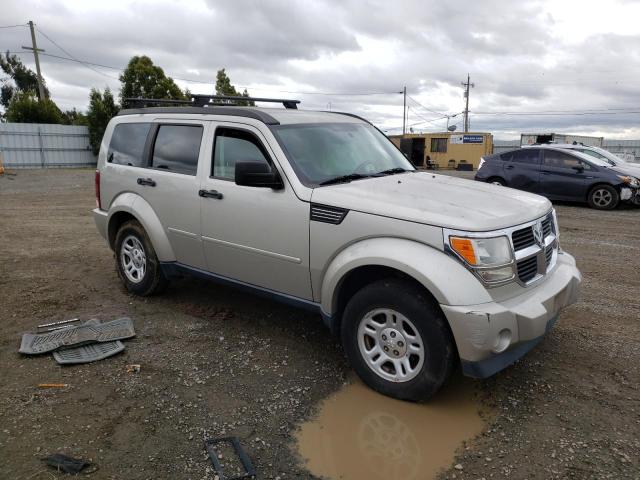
<point x="38" y="145"/>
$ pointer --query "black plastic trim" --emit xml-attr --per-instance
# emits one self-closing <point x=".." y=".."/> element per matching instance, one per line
<point x="246" y="112"/>
<point x="327" y="214"/>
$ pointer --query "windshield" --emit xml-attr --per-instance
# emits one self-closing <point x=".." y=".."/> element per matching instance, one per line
<point x="602" y="155"/>
<point x="322" y="152"/>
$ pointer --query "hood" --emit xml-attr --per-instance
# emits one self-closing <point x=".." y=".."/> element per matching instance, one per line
<point x="438" y="200"/>
<point x="627" y="169"/>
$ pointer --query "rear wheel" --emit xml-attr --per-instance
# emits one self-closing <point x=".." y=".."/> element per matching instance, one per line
<point x="136" y="261"/>
<point x="497" y="181"/>
<point x="397" y="340"/>
<point x="603" y="197"/>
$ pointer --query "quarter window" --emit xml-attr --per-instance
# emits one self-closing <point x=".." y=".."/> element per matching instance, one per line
<point x="232" y="146"/>
<point x="177" y="148"/>
<point x="127" y="144"/>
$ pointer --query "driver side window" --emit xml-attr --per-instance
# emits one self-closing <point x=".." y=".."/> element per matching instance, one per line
<point x="557" y="159"/>
<point x="231" y="146"/>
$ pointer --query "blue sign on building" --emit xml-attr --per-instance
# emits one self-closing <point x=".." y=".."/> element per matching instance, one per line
<point x="472" y="139"/>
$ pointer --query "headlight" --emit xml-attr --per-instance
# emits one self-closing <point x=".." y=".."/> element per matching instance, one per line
<point x="627" y="180"/>
<point x="491" y="259"/>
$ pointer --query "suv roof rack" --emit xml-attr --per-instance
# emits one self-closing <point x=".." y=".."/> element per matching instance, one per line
<point x="198" y="100"/>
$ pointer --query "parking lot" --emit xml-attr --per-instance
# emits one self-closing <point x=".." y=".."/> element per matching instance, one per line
<point x="216" y="361"/>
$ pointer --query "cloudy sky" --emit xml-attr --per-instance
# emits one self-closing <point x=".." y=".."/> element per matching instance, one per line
<point x="564" y="66"/>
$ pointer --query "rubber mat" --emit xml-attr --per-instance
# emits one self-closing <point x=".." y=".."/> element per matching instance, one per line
<point x="88" y="353"/>
<point x="89" y="332"/>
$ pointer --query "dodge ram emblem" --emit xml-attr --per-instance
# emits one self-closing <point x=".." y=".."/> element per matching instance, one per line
<point x="538" y="234"/>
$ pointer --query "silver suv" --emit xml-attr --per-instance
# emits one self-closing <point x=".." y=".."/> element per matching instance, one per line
<point x="416" y="272"/>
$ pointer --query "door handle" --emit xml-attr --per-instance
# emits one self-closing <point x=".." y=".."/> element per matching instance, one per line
<point x="509" y="167"/>
<point x="210" y="194"/>
<point x="146" y="181"/>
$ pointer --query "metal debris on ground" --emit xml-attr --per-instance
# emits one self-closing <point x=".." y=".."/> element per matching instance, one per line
<point x="53" y="385"/>
<point x="48" y="327"/>
<point x="211" y="444"/>
<point x="65" y="463"/>
<point x="133" y="368"/>
<point x="89" y="332"/>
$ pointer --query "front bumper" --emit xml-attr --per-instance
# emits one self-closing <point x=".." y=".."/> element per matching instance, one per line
<point x="630" y="195"/>
<point x="491" y="336"/>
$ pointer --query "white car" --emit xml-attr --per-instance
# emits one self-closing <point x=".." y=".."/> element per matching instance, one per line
<point x="596" y="152"/>
<point x="415" y="272"/>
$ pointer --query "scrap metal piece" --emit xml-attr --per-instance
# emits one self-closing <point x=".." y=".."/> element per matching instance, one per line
<point x="47" y="327"/>
<point x="88" y="353"/>
<point x="65" y="463"/>
<point x="210" y="444"/>
<point x="88" y="332"/>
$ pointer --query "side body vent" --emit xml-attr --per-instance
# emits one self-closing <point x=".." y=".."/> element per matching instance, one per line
<point x="325" y="214"/>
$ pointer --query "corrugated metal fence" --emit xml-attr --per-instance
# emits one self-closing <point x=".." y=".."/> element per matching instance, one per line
<point x="37" y="145"/>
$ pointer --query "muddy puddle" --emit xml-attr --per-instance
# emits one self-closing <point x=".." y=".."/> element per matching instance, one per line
<point x="360" y="434"/>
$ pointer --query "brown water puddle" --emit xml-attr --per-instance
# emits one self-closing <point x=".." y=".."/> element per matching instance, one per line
<point x="360" y="434"/>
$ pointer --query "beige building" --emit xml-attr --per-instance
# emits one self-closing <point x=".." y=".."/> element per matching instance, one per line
<point x="445" y="150"/>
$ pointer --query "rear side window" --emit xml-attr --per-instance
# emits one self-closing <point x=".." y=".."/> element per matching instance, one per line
<point x="127" y="144"/>
<point x="525" y="155"/>
<point x="233" y="146"/>
<point x="177" y="148"/>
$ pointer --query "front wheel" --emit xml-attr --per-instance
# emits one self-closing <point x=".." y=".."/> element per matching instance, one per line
<point x="397" y="340"/>
<point x="603" y="197"/>
<point x="136" y="261"/>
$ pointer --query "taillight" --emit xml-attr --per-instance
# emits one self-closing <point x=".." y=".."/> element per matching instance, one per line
<point x="98" y="203"/>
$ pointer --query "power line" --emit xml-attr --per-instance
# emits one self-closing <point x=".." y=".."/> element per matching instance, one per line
<point x="13" y="26"/>
<point x="72" y="57"/>
<point x="427" y="109"/>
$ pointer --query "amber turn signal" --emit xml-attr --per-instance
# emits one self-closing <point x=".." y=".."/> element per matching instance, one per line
<point x="464" y="248"/>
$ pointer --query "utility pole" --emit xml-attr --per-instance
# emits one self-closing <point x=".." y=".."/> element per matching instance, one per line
<point x="404" y="110"/>
<point x="35" y="49"/>
<point x="467" y="86"/>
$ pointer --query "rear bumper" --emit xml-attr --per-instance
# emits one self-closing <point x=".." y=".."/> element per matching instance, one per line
<point x="491" y="336"/>
<point x="101" y="218"/>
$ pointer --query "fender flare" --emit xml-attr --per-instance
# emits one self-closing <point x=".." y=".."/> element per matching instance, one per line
<point x="446" y="278"/>
<point x="144" y="213"/>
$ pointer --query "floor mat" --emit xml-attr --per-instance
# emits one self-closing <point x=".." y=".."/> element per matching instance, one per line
<point x="88" y="353"/>
<point x="88" y="332"/>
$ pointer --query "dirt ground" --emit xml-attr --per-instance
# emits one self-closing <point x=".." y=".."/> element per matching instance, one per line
<point x="216" y="361"/>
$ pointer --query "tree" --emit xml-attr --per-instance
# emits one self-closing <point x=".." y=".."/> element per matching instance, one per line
<point x="102" y="108"/>
<point x="18" y="78"/>
<point x="74" y="117"/>
<point x="25" y="107"/>
<point x="224" y="87"/>
<point x="143" y="79"/>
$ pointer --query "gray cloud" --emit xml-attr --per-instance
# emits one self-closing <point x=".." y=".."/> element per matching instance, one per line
<point x="514" y="52"/>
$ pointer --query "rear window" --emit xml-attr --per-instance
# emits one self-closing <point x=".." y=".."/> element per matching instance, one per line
<point x="127" y="144"/>
<point x="177" y="148"/>
<point x="525" y="155"/>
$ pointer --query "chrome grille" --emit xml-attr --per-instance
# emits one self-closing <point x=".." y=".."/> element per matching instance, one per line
<point x="523" y="238"/>
<point x="534" y="247"/>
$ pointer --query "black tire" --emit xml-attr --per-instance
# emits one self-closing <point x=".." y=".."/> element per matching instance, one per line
<point x="152" y="281"/>
<point x="497" y="181"/>
<point x="420" y="308"/>
<point x="603" y="197"/>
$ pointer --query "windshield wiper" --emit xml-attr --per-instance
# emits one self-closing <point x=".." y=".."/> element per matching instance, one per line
<point x="393" y="171"/>
<point x="344" y="178"/>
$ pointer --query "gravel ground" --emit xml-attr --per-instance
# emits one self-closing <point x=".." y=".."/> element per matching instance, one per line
<point x="215" y="361"/>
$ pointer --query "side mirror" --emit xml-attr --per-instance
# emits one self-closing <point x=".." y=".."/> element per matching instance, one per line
<point x="578" y="168"/>
<point x="257" y="174"/>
